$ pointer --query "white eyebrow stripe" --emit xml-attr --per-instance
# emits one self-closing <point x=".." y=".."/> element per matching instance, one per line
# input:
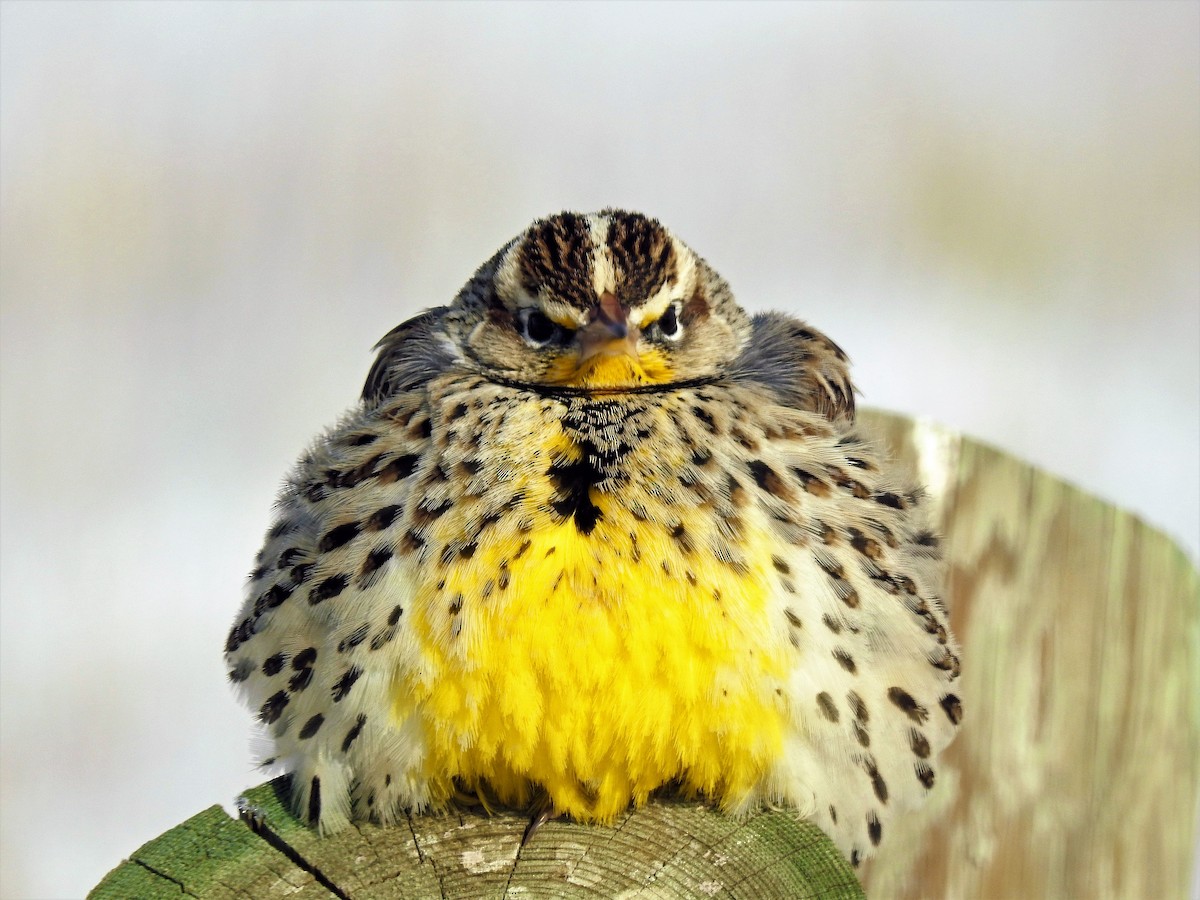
<point x="508" y="280"/>
<point x="654" y="307"/>
<point x="685" y="265"/>
<point x="657" y="303"/>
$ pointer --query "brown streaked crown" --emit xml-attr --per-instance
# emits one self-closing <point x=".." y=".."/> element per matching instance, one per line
<point x="642" y="253"/>
<point x="556" y="253"/>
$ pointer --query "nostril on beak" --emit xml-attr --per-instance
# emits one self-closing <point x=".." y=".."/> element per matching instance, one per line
<point x="608" y="331"/>
<point x="611" y="315"/>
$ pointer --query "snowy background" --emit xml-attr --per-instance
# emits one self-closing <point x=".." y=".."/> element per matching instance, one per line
<point x="210" y="212"/>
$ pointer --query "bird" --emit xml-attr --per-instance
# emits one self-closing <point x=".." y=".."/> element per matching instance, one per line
<point x="592" y="533"/>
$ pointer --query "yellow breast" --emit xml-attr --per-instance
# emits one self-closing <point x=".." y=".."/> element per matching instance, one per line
<point x="596" y="666"/>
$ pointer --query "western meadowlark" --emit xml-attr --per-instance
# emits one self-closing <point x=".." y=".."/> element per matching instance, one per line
<point x="592" y="530"/>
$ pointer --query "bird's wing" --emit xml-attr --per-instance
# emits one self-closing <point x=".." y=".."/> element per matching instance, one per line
<point x="804" y="368"/>
<point x="409" y="355"/>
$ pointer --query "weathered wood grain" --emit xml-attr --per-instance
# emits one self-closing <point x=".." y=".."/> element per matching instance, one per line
<point x="1076" y="772"/>
<point x="667" y="849"/>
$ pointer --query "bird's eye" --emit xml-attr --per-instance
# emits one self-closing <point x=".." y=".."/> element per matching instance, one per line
<point x="668" y="324"/>
<point x="537" y="328"/>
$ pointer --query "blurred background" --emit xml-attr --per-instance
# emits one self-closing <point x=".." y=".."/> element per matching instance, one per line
<point x="210" y="212"/>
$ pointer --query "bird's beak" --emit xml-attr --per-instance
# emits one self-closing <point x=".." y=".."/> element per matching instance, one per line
<point x="608" y="332"/>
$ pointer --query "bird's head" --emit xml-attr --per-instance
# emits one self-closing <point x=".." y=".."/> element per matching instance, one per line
<point x="606" y="301"/>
